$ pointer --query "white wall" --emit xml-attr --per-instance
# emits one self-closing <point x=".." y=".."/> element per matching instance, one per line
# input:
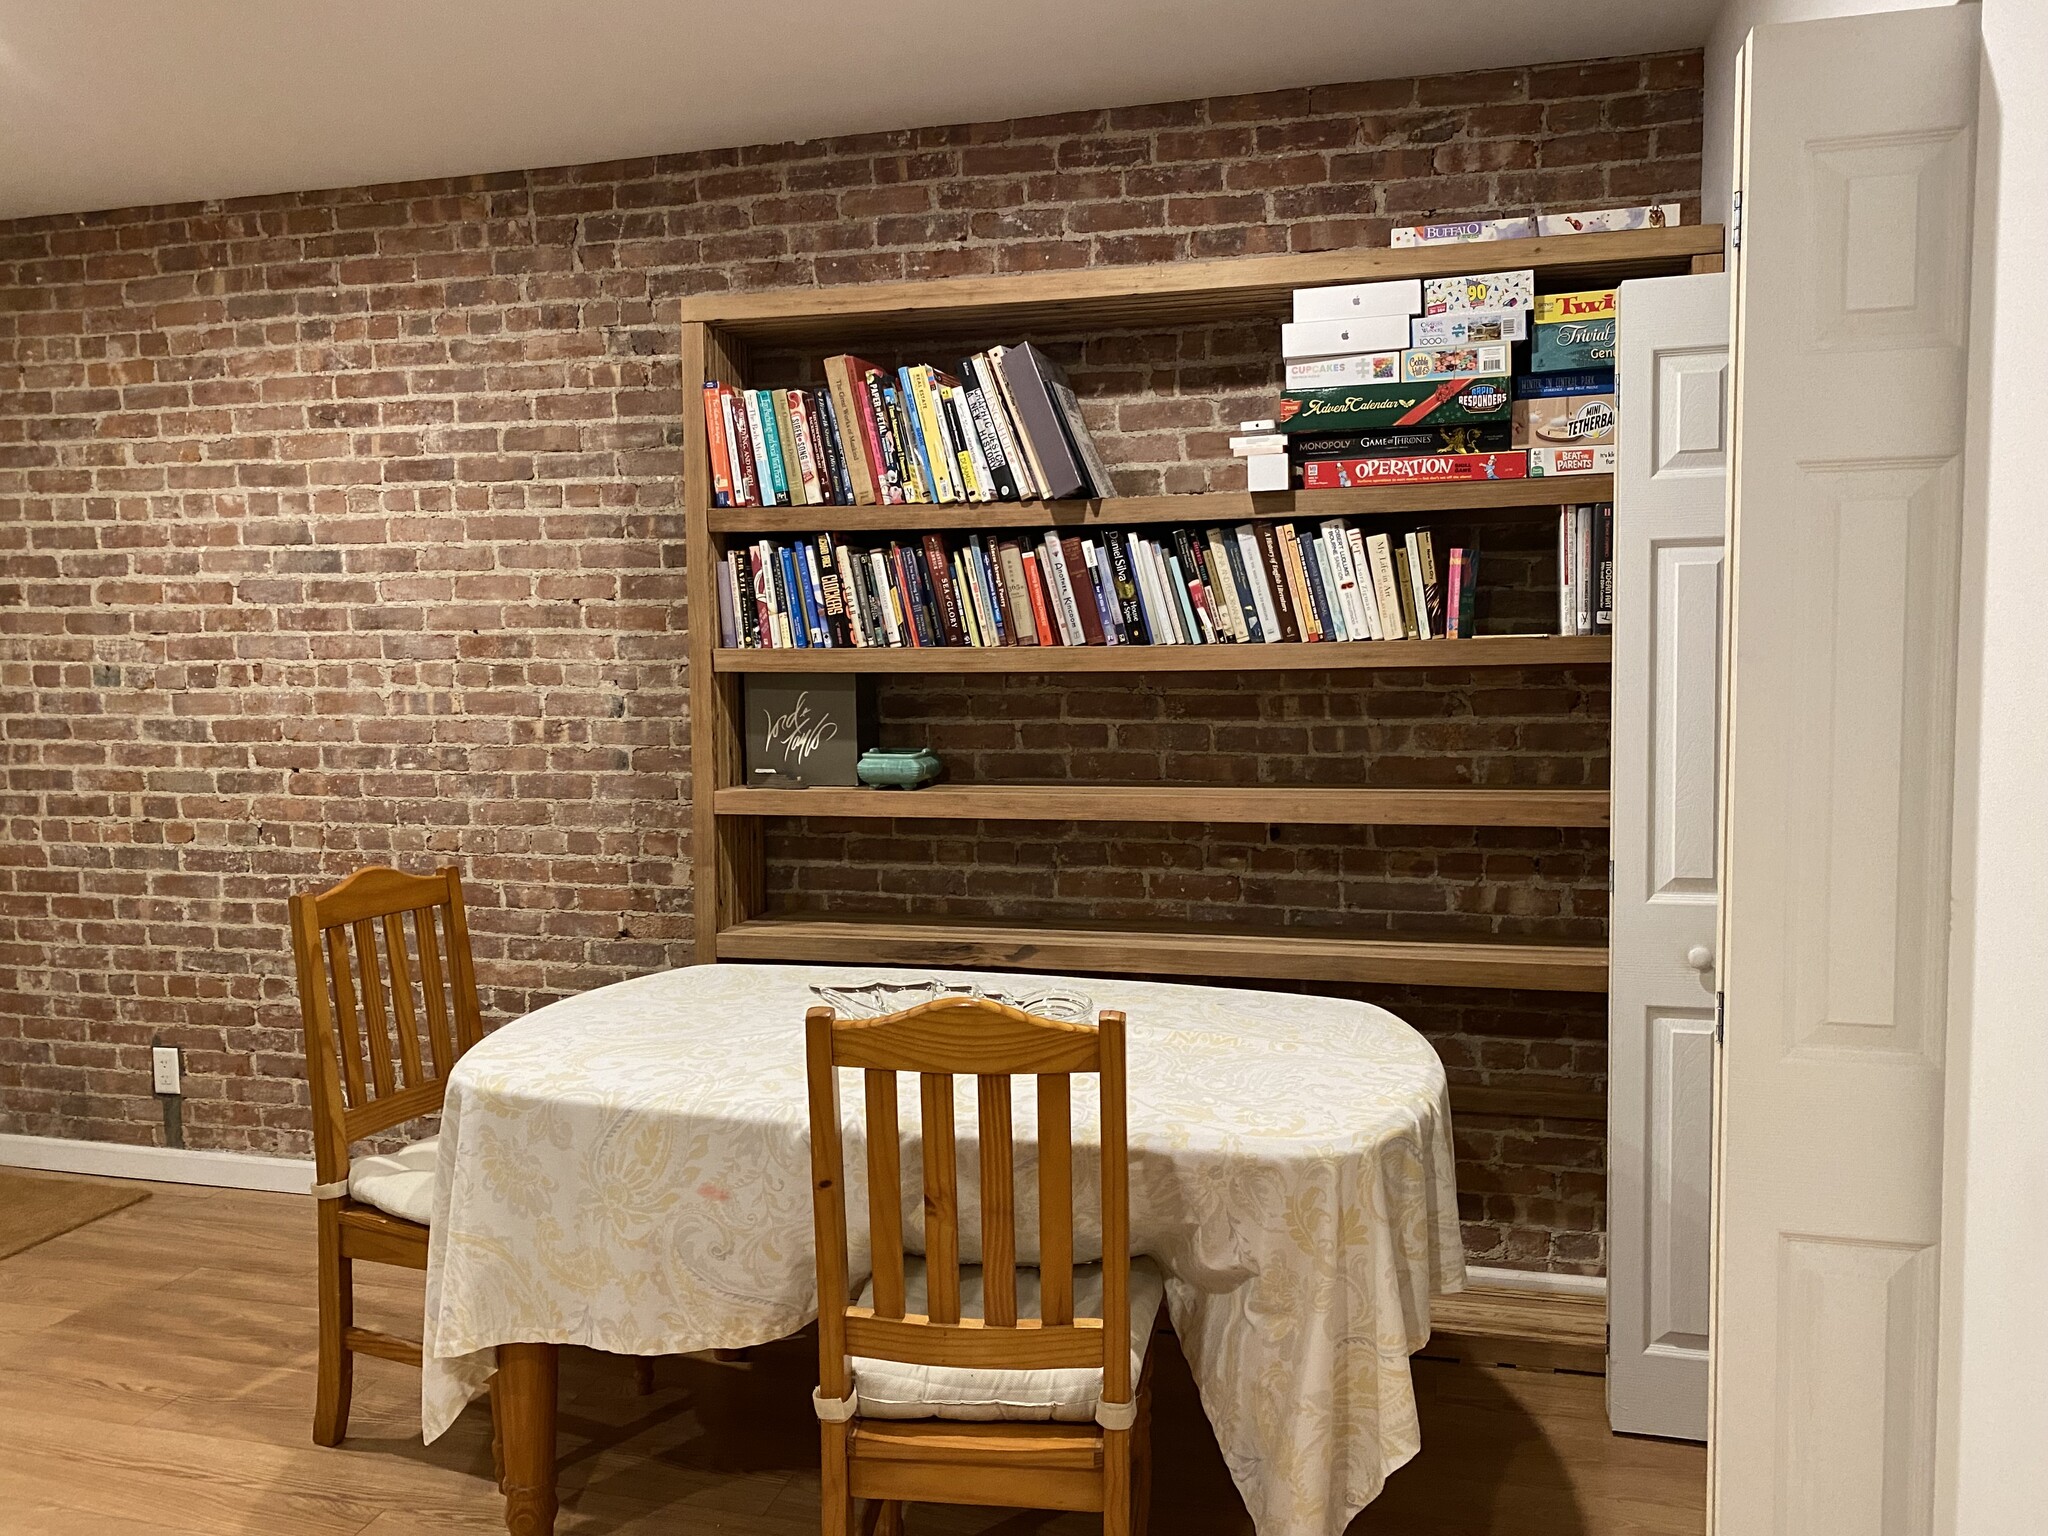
<point x="1737" y="17"/>
<point x="1995" y="1397"/>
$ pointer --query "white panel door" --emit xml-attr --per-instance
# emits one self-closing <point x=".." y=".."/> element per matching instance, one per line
<point x="1855" y="165"/>
<point x="1670" y="513"/>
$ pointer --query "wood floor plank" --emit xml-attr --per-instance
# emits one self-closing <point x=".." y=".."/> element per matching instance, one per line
<point x="167" y="1386"/>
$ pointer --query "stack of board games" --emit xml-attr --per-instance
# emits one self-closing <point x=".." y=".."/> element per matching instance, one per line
<point x="1564" y="411"/>
<point x="1004" y="425"/>
<point x="1259" y="581"/>
<point x="1404" y="382"/>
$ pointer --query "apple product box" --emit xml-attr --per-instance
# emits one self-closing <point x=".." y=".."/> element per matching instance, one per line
<point x="1572" y="332"/>
<point x="1266" y="472"/>
<point x="1463" y="327"/>
<point x="1422" y="363"/>
<point x="1571" y="461"/>
<point x="1330" y="372"/>
<point x="1353" y="301"/>
<point x="1258" y="443"/>
<point x="1376" y="407"/>
<point x="1604" y="220"/>
<point x="1344" y="338"/>
<point x="1480" y="290"/>
<point x="1343" y="474"/>
<point x="1565" y="421"/>
<point x="1463" y="233"/>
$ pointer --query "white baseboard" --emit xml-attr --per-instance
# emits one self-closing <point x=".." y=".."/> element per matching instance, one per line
<point x="164" y="1165"/>
<point x="1536" y="1282"/>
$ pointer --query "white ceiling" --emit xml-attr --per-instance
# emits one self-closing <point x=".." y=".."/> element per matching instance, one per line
<point x="110" y="103"/>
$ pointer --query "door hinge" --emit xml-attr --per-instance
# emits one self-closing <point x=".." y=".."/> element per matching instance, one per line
<point x="1610" y="877"/>
<point x="1720" y="1018"/>
<point x="1735" y="220"/>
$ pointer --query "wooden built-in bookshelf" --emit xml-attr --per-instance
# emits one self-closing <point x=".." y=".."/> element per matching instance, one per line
<point x="733" y="922"/>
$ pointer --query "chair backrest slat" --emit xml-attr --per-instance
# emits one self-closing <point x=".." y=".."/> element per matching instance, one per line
<point x="362" y="1005"/>
<point x="941" y="1200"/>
<point x="998" y="1203"/>
<point x="401" y="998"/>
<point x="432" y="986"/>
<point x="376" y="1025"/>
<point x="1056" y="1197"/>
<point x="343" y="987"/>
<point x="994" y="1044"/>
<point x="885" y="1192"/>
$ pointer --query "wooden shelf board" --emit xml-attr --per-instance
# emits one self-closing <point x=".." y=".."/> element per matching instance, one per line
<point x="1484" y="651"/>
<point x="1221" y="803"/>
<point x="1172" y="293"/>
<point x="1486" y="1325"/>
<point x="1300" y="956"/>
<point x="1512" y="497"/>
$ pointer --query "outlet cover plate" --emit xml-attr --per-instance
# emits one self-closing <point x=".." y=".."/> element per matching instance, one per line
<point x="163" y="1069"/>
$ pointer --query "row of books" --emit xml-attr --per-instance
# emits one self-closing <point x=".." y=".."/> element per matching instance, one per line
<point x="1258" y="582"/>
<point x="1004" y="427"/>
<point x="1585" y="569"/>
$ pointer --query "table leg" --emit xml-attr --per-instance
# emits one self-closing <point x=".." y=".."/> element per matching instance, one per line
<point x="525" y="1404"/>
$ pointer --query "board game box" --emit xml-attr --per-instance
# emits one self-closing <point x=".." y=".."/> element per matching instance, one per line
<point x="1573" y="332"/>
<point x="1333" y="372"/>
<point x="1343" y="474"/>
<point x="1410" y="235"/>
<point x="1423" y="363"/>
<point x="1465" y="327"/>
<point x="1571" y="461"/>
<point x="1480" y="290"/>
<point x="1449" y="402"/>
<point x="1601" y="221"/>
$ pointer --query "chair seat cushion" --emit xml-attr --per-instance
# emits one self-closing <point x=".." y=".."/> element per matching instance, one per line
<point x="892" y="1389"/>
<point x="398" y="1183"/>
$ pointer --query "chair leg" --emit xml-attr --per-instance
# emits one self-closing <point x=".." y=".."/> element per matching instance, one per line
<point x="336" y="1372"/>
<point x="1141" y="1454"/>
<point x="881" y="1517"/>
<point x="1116" y="1482"/>
<point x="643" y="1374"/>
<point x="497" y="1437"/>
<point x="835" y="1499"/>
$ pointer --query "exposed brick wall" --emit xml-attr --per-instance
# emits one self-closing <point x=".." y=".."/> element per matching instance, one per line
<point x="343" y="526"/>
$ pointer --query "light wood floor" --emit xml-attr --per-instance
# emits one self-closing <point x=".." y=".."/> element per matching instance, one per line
<point x="156" y="1375"/>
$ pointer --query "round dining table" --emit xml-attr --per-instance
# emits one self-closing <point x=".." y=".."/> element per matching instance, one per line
<point x="629" y="1169"/>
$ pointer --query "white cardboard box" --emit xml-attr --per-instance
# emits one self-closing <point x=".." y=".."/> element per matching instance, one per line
<point x="1344" y="338"/>
<point x="1266" y="472"/>
<point x="1345" y="372"/>
<point x="1349" y="301"/>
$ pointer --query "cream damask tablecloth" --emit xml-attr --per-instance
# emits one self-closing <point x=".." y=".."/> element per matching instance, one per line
<point x="630" y="1170"/>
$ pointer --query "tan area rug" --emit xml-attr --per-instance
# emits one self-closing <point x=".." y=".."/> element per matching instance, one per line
<point x="35" y="1208"/>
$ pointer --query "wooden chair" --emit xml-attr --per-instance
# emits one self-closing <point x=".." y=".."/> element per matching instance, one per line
<point x="371" y="1070"/>
<point x="951" y="1433"/>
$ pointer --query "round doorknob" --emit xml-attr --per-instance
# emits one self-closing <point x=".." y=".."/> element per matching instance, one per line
<point x="1699" y="957"/>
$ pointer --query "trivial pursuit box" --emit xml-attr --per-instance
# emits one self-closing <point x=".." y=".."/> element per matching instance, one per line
<point x="1572" y="331"/>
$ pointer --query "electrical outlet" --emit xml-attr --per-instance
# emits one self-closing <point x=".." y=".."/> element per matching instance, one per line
<point x="163" y="1069"/>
